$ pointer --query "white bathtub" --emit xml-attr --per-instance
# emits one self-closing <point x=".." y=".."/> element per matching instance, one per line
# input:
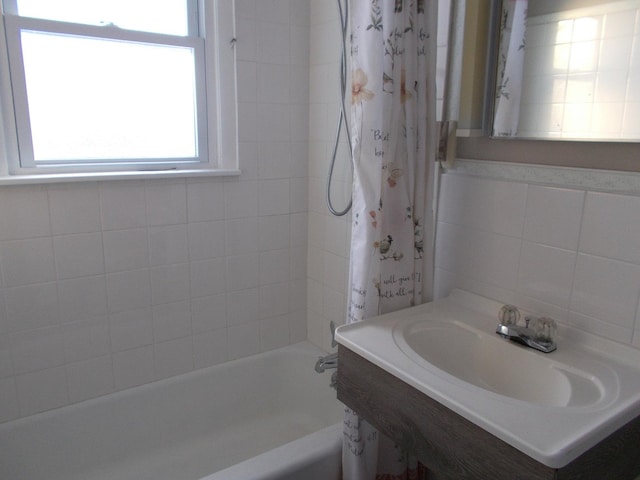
<point x="269" y="416"/>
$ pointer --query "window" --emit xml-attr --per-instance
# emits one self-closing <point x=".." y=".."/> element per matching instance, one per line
<point x="119" y="85"/>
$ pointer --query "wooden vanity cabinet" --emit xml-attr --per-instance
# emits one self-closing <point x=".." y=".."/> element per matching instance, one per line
<point x="453" y="448"/>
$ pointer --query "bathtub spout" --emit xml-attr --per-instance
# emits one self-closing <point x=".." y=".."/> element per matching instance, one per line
<point x="327" y="362"/>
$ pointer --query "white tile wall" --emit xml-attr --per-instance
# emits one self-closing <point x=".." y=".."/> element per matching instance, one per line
<point x="173" y="357"/>
<point x="171" y="321"/>
<point x="41" y="390"/>
<point x="170" y="283"/>
<point x="123" y="205"/>
<point x="571" y="253"/>
<point x="243" y="306"/>
<point x="133" y="367"/>
<point x="327" y="236"/>
<point x="8" y="400"/>
<point x="274" y="332"/>
<point x="168" y="245"/>
<point x="614" y="236"/>
<point x="86" y="339"/>
<point x="125" y="249"/>
<point x="31" y="306"/>
<point x="74" y="208"/>
<point x="37" y="349"/>
<point x="607" y="290"/>
<point x="117" y="256"/>
<point x="553" y="216"/>
<point x="209" y="313"/>
<point x="242" y="272"/>
<point x="89" y="378"/>
<point x="244" y="339"/>
<point x="546" y="273"/>
<point x="128" y="290"/>
<point x="24" y="213"/>
<point x="210" y="348"/>
<point x="27" y="261"/>
<point x="147" y="295"/>
<point x="80" y="255"/>
<point x="109" y="285"/>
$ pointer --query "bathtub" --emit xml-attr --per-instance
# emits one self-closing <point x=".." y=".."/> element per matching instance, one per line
<point x="269" y="416"/>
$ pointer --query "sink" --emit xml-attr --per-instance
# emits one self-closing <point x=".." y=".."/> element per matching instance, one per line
<point x="491" y="363"/>
<point x="551" y="406"/>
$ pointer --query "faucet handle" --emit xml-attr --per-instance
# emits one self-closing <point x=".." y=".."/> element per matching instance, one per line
<point x="509" y="315"/>
<point x="545" y="329"/>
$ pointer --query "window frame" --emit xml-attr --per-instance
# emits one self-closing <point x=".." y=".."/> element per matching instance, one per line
<point x="215" y="84"/>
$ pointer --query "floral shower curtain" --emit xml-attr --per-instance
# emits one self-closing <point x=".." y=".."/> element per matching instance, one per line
<point x="513" y="24"/>
<point x="393" y="141"/>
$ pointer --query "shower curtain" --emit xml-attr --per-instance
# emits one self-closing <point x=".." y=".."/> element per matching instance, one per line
<point x="393" y="142"/>
<point x="513" y="24"/>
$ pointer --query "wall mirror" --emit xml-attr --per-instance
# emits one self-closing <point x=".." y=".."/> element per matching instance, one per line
<point x="567" y="70"/>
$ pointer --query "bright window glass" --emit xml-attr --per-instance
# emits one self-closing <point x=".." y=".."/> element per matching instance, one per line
<point x="157" y="16"/>
<point x="117" y="88"/>
<point x="102" y="99"/>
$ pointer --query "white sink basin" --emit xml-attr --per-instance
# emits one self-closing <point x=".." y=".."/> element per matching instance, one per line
<point x="551" y="406"/>
<point x="487" y="361"/>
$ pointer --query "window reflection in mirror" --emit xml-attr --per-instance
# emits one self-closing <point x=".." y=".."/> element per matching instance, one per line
<point x="568" y="69"/>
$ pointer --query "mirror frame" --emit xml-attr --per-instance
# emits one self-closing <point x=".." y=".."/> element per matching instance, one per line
<point x="621" y="156"/>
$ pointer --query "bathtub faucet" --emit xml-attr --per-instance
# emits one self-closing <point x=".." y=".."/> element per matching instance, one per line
<point x="327" y="362"/>
<point x="330" y="361"/>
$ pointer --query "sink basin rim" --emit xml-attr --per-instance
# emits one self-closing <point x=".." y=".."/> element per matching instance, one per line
<point x="552" y="436"/>
<point x="557" y="368"/>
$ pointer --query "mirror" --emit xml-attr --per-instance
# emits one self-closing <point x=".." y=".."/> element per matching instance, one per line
<point x="568" y="70"/>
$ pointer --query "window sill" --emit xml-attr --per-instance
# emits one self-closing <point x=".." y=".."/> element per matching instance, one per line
<point x="101" y="176"/>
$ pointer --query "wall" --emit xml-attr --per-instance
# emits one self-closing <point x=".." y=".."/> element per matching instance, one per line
<point x="109" y="285"/>
<point x="139" y="280"/>
<point x="328" y="236"/>
<point x="556" y="241"/>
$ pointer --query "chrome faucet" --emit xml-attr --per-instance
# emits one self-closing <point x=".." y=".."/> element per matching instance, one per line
<point x="327" y="362"/>
<point x="330" y="361"/>
<point x="537" y="333"/>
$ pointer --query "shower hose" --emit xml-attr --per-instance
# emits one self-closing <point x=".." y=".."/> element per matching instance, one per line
<point x="343" y="10"/>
